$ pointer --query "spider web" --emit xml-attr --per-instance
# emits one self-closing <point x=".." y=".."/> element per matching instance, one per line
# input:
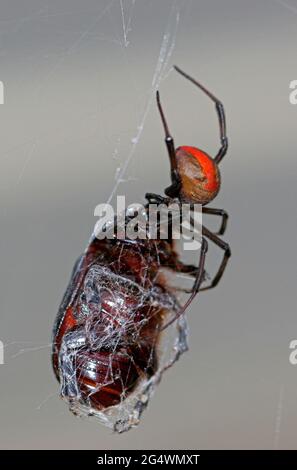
<point x="161" y="69"/>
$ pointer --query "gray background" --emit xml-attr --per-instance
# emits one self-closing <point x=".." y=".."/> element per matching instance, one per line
<point x="74" y="96"/>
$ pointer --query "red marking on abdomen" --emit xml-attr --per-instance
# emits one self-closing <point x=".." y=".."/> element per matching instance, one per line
<point x="207" y="165"/>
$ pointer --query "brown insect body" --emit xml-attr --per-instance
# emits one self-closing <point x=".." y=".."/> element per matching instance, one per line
<point x="107" y="332"/>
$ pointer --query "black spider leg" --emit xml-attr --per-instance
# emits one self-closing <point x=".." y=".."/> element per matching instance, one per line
<point x="180" y="266"/>
<point x="191" y="269"/>
<point x="196" y="287"/>
<point x="220" y="112"/>
<point x="220" y="212"/>
<point x="227" y="253"/>
<point x="153" y="198"/>
<point x="174" y="189"/>
<point x="221" y="244"/>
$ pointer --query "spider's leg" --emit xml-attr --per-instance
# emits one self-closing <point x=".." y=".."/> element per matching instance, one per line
<point x="196" y="287"/>
<point x="172" y="261"/>
<point x="220" y="212"/>
<point x="174" y="188"/>
<point x="227" y="253"/>
<point x="220" y="112"/>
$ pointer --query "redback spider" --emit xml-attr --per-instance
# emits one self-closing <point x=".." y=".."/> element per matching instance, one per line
<point x="108" y="331"/>
<point x="195" y="179"/>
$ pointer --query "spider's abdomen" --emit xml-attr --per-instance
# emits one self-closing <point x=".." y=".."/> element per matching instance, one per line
<point x="200" y="176"/>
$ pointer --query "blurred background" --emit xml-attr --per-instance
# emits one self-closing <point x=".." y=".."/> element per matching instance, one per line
<point x="79" y="124"/>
